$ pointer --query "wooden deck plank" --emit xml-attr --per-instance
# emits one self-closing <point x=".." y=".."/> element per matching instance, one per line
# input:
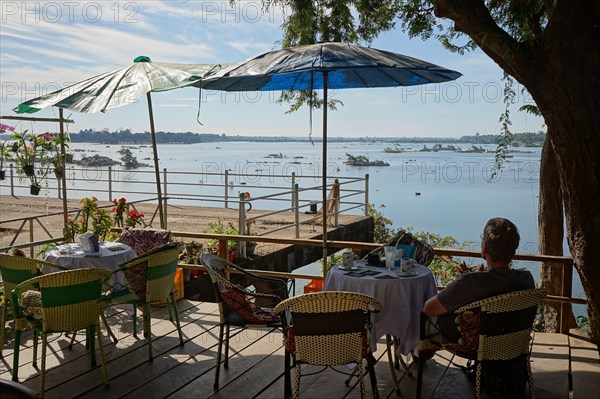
<point x="256" y="365"/>
<point x="128" y="378"/>
<point x="78" y="369"/>
<point x="550" y="365"/>
<point x="585" y="366"/>
<point x="246" y="350"/>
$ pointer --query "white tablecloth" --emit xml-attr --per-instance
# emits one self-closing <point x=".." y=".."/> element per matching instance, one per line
<point x="71" y="256"/>
<point x="401" y="298"/>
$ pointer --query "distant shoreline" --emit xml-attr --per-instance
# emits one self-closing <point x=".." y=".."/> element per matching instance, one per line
<point x="126" y="137"/>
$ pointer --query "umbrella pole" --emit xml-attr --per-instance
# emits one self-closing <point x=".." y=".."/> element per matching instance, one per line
<point x="156" y="171"/>
<point x="63" y="162"/>
<point x="324" y="188"/>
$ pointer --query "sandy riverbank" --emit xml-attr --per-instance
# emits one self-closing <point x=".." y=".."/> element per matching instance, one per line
<point x="181" y="218"/>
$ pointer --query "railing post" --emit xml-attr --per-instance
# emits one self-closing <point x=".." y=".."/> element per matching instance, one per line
<point x="12" y="180"/>
<point x="31" y="254"/>
<point x="164" y="194"/>
<point x="242" y="223"/>
<point x="59" y="186"/>
<point x="296" y="206"/>
<point x="226" y="188"/>
<point x="110" y="193"/>
<point x="566" y="291"/>
<point x="223" y="249"/>
<point x="293" y="185"/>
<point x="336" y="202"/>
<point x="367" y="194"/>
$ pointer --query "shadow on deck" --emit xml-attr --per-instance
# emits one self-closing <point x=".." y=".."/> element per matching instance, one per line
<point x="256" y="365"/>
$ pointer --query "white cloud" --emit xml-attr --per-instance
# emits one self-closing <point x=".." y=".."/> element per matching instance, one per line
<point x="172" y="106"/>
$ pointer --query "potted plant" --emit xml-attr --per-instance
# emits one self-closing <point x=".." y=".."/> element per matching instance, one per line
<point x="4" y="149"/>
<point x="27" y="149"/>
<point x="93" y="219"/>
<point x="219" y="227"/>
<point x="51" y="144"/>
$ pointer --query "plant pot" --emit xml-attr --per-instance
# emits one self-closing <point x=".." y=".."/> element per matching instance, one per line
<point x="233" y="256"/>
<point x="34" y="189"/>
<point x="29" y="170"/>
<point x="59" y="172"/>
<point x="2" y="174"/>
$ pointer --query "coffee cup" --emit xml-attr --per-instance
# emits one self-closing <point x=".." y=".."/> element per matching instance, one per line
<point x="348" y="260"/>
<point x="406" y="266"/>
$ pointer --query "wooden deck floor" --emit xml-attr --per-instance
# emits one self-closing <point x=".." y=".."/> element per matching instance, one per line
<point x="256" y="365"/>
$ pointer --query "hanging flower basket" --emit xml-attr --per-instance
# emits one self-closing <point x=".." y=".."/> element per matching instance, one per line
<point x="59" y="172"/>
<point x="34" y="189"/>
<point x="2" y="174"/>
<point x="29" y="170"/>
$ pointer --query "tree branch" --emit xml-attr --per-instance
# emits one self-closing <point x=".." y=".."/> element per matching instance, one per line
<point x="473" y="18"/>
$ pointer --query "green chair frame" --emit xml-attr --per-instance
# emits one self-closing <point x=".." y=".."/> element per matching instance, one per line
<point x="150" y="280"/>
<point x="70" y="301"/>
<point x="14" y="270"/>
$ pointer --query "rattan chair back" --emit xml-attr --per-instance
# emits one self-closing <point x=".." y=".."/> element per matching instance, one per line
<point x="506" y="322"/>
<point x="70" y="299"/>
<point x="329" y="329"/>
<point x="504" y="332"/>
<point x="15" y="270"/>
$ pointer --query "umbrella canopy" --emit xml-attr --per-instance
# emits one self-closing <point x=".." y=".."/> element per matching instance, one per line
<point x="122" y="87"/>
<point x="119" y="87"/>
<point x="326" y="66"/>
<point x="348" y="66"/>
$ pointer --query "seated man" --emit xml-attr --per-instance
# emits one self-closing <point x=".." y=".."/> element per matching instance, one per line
<point x="499" y="243"/>
<point x="500" y="240"/>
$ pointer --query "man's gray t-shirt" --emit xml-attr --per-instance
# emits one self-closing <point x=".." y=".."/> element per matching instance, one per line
<point x="471" y="287"/>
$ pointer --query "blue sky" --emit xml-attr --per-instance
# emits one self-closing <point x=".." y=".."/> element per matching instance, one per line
<point x="48" y="45"/>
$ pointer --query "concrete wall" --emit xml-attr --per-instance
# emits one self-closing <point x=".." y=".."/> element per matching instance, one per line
<point x="293" y="257"/>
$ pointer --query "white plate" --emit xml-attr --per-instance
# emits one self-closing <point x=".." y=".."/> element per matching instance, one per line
<point x="408" y="274"/>
<point x="352" y="268"/>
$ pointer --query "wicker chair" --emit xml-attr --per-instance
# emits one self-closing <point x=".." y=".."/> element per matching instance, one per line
<point x="69" y="301"/>
<point x="330" y="329"/>
<point x="239" y="305"/>
<point x="150" y="280"/>
<point x="492" y="329"/>
<point x="14" y="270"/>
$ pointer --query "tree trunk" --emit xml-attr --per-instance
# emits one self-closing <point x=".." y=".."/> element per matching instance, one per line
<point x="560" y="70"/>
<point x="551" y="235"/>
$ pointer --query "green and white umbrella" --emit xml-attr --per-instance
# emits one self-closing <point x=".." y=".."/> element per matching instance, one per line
<point x="122" y="87"/>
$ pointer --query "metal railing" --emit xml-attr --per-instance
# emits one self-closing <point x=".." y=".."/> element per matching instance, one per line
<point x="565" y="299"/>
<point x="352" y="193"/>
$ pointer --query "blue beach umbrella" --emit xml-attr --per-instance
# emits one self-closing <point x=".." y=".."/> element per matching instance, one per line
<point x="122" y="87"/>
<point x="326" y="66"/>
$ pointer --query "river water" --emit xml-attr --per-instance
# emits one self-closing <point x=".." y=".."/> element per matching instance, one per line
<point x="444" y="192"/>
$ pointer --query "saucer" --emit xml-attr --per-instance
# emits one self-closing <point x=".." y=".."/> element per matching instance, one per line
<point x="352" y="268"/>
<point x="412" y="274"/>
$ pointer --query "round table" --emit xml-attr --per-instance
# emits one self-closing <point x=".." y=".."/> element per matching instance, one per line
<point x="71" y="256"/>
<point x="401" y="298"/>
